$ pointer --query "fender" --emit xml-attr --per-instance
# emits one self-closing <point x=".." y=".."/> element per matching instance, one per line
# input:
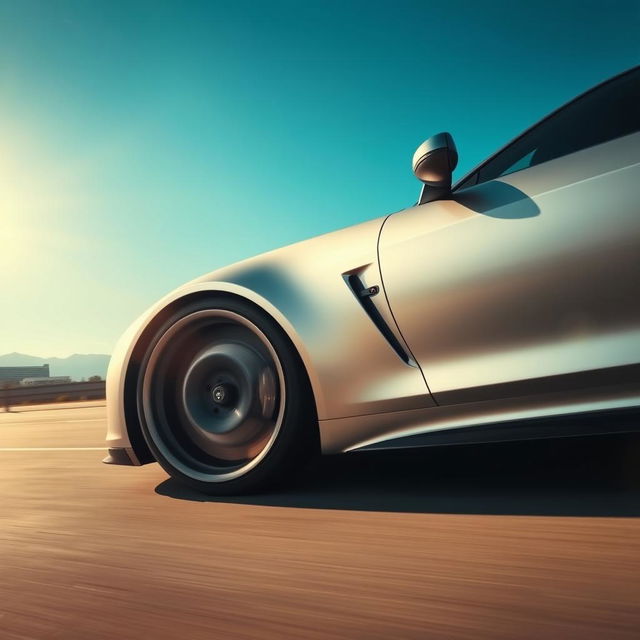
<point x="353" y="368"/>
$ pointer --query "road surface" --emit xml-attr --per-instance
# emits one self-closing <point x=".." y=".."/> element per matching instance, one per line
<point x="529" y="540"/>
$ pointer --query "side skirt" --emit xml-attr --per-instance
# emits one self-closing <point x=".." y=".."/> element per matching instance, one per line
<point x="579" y="424"/>
<point x="548" y="415"/>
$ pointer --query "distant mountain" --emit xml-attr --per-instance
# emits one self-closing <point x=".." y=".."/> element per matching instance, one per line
<point x="76" y="366"/>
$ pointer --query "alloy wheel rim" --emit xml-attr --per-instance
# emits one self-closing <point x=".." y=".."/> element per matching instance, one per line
<point x="213" y="395"/>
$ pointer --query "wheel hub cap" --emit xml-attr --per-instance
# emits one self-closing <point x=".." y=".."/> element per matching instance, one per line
<point x="222" y="394"/>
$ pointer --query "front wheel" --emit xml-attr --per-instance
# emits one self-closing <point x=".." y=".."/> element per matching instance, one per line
<point x="223" y="399"/>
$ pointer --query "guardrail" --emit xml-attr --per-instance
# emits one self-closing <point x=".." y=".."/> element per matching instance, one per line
<point x="65" y="392"/>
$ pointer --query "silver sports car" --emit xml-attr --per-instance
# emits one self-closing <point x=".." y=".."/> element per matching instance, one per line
<point x="504" y="307"/>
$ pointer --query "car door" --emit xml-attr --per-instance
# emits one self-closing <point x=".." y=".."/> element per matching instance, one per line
<point x="527" y="280"/>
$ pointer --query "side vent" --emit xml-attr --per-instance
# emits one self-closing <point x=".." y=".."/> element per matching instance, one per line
<point x="364" y="296"/>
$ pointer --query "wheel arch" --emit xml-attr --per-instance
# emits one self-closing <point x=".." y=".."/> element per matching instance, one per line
<point x="158" y="317"/>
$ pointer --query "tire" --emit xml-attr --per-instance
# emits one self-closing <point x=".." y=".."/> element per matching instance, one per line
<point x="224" y="401"/>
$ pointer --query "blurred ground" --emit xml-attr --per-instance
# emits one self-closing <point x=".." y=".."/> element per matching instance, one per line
<point x="527" y="540"/>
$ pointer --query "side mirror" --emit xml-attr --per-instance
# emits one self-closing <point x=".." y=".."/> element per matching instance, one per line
<point x="433" y="163"/>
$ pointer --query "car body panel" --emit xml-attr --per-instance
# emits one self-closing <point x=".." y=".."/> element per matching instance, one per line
<point x="351" y="366"/>
<point x="525" y="278"/>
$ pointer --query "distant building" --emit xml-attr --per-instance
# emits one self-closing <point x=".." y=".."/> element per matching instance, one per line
<point x="13" y="375"/>
<point x="30" y="382"/>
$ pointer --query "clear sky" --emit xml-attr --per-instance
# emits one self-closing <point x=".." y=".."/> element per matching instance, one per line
<point x="145" y="143"/>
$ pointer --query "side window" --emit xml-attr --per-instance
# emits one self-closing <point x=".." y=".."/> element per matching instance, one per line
<point x="608" y="112"/>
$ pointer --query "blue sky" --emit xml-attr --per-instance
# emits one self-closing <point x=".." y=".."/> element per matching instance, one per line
<point x="145" y="143"/>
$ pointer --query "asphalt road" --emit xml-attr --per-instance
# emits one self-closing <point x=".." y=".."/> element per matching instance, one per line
<point x="529" y="540"/>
